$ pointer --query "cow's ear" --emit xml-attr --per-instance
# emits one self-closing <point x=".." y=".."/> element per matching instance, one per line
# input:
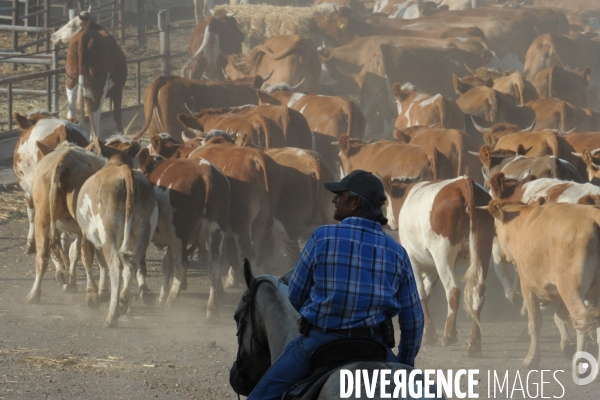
<point x="344" y="143"/>
<point x="156" y="143"/>
<point x="521" y="150"/>
<point x="190" y="122"/>
<point x="22" y="121"/>
<point x="85" y="19"/>
<point x="257" y="82"/>
<point x="587" y="74"/>
<point x="489" y="83"/>
<point x="399" y="93"/>
<point x="265" y="98"/>
<point x="133" y="149"/>
<point x="387" y="185"/>
<point x="96" y="146"/>
<point x="44" y="148"/>
<point x="248" y="276"/>
<point x="495" y="208"/>
<point x="459" y="86"/>
<point x="497" y="184"/>
<point x="485" y="155"/>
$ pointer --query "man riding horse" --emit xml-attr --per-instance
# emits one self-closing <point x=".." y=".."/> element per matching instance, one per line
<point x="350" y="280"/>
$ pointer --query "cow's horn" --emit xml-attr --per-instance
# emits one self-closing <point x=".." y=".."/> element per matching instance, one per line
<point x="530" y="127"/>
<point x="569" y="131"/>
<point x="480" y="128"/>
<point x="299" y="84"/>
<point x="406" y="178"/>
<point x="266" y="78"/>
<point x="188" y="109"/>
<point x="336" y="10"/>
<point x="476" y="154"/>
<point x="594" y="152"/>
<point x="485" y="175"/>
<point x="596" y="166"/>
<point x="224" y="73"/>
<point x="212" y="12"/>
<point x="577" y="154"/>
<point x="469" y="70"/>
<point x="232" y="14"/>
<point x="131" y="124"/>
<point x="185" y="138"/>
<point x="482" y="207"/>
<point x="336" y="143"/>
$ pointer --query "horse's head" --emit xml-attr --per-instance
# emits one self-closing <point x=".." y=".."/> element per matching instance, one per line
<point x="253" y="356"/>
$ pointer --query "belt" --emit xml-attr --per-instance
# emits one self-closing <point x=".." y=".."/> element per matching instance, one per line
<point x="355" y="332"/>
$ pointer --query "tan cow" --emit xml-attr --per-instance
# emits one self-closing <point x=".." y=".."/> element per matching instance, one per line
<point x="441" y="228"/>
<point x="514" y="84"/>
<point x="304" y="204"/>
<point x="453" y="148"/>
<point x="117" y="213"/>
<point x="388" y="158"/>
<point x="193" y="203"/>
<point x="557" y="114"/>
<point x="561" y="273"/>
<point x="328" y="117"/>
<point x="570" y="86"/>
<point x="43" y="127"/>
<point x="55" y="188"/>
<point x="168" y="96"/>
<point x="291" y="58"/>
<point x="416" y="108"/>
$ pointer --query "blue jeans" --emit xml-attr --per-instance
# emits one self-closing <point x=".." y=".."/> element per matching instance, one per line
<point x="293" y="365"/>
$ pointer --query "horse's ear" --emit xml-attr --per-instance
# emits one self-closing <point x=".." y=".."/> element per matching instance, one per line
<point x="248" y="274"/>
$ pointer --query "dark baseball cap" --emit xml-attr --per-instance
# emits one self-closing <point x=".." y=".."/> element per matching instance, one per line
<point x="360" y="182"/>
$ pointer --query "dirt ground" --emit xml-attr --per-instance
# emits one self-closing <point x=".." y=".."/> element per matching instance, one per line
<point x="59" y="350"/>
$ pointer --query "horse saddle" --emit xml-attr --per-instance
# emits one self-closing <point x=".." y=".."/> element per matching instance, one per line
<point x="326" y="359"/>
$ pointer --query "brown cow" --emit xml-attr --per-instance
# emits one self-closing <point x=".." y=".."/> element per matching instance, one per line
<point x="304" y="204"/>
<point x="55" y="188"/>
<point x="388" y="158"/>
<point x="416" y="108"/>
<point x="553" y="113"/>
<point x="212" y="41"/>
<point x="453" y="147"/>
<point x="43" y="127"/>
<point x="559" y="273"/>
<point x="96" y="69"/>
<point x="514" y="84"/>
<point x="570" y="86"/>
<point x="168" y="96"/>
<point x="291" y="58"/>
<point x="193" y="205"/>
<point x="328" y="117"/>
<point x="439" y="226"/>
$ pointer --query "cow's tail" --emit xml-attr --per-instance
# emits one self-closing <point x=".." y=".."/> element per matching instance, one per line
<point x="474" y="276"/>
<point x="434" y="162"/>
<point x="261" y="167"/>
<point x="282" y="241"/>
<point x="124" y="251"/>
<point x="54" y="184"/>
<point x="150" y="109"/>
<point x="586" y="321"/>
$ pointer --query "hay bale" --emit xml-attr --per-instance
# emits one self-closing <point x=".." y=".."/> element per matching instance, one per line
<point x="260" y="22"/>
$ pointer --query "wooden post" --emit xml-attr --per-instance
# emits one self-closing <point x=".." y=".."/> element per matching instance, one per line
<point x="138" y="82"/>
<point x="165" y="51"/>
<point x="15" y="21"/>
<point x="47" y="23"/>
<point x="54" y="78"/>
<point x="141" y="22"/>
<point x="120" y="13"/>
<point x="10" y="104"/>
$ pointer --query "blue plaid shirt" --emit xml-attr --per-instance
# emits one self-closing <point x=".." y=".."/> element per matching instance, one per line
<point x="349" y="274"/>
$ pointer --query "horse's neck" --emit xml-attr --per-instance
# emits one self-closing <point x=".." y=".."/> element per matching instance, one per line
<point x="278" y="319"/>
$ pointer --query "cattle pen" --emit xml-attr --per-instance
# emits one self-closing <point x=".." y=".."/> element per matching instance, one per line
<point x="44" y="88"/>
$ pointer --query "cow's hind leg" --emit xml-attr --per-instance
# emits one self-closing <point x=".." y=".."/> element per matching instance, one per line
<point x="534" y="314"/>
<point x="146" y="294"/>
<point x="104" y="292"/>
<point x="74" y="254"/>
<point x="87" y="258"/>
<point x="214" y="244"/>
<point x="425" y="283"/>
<point x="561" y="316"/>
<point x="179" y="267"/>
<point x="451" y="287"/>
<point x="30" y="246"/>
<point x="117" y="112"/>
<point x="129" y="267"/>
<point x="167" y="270"/>
<point x="474" y="347"/>
<point x="41" y="264"/>
<point x="114" y="269"/>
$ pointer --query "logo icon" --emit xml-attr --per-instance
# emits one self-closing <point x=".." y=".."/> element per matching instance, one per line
<point x="584" y="367"/>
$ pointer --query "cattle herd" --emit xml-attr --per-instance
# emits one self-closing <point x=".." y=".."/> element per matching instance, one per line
<point x="484" y="127"/>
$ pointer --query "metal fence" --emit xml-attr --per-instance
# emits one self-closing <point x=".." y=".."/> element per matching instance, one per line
<point x="44" y="84"/>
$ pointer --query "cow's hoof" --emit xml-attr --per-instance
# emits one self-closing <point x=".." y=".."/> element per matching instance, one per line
<point x="429" y="336"/>
<point x="34" y="298"/>
<point x="533" y="363"/>
<point x="92" y="301"/>
<point x="212" y="317"/>
<point x="111" y="324"/>
<point x="30" y="248"/>
<point x="568" y="350"/>
<point x="449" y="340"/>
<point x="123" y="306"/>
<point x="231" y="282"/>
<point x="474" y="350"/>
<point x="183" y="285"/>
<point x="62" y="277"/>
<point x="104" y="296"/>
<point x="148" y="298"/>
<point x="70" y="288"/>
